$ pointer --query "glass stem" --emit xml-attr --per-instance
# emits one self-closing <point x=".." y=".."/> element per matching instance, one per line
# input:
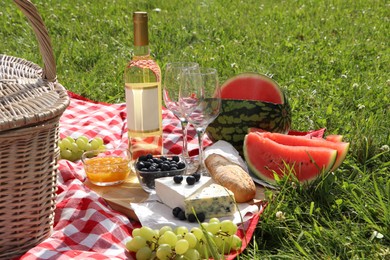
<point x="202" y="168"/>
<point x="184" y="128"/>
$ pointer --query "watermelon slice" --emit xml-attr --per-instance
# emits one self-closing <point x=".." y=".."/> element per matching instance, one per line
<point x="340" y="147"/>
<point x="252" y="86"/>
<point x="265" y="157"/>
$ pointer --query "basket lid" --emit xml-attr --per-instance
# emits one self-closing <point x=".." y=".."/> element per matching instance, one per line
<point x="30" y="95"/>
<point x="30" y="100"/>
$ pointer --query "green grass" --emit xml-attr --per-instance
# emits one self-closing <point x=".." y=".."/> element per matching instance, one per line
<point x="332" y="57"/>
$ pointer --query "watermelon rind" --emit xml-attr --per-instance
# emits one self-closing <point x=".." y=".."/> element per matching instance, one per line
<point x="237" y="116"/>
<point x="266" y="157"/>
<point x="334" y="138"/>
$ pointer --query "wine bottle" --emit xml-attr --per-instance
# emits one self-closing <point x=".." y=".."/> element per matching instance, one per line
<point x="143" y="94"/>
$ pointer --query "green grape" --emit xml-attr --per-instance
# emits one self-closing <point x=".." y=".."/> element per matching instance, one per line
<point x="135" y="232"/>
<point x="147" y="233"/>
<point x="95" y="144"/>
<point x="181" y="246"/>
<point x="202" y="250"/>
<point x="136" y="243"/>
<point x="169" y="238"/>
<point x="161" y="240"/>
<point x="204" y="225"/>
<point x="226" y="245"/>
<point x="220" y="243"/>
<point x="72" y="158"/>
<point x="191" y="238"/>
<point x="236" y="242"/>
<point x="61" y="145"/>
<point x="81" y="143"/>
<point x="65" y="143"/>
<point x="191" y="254"/>
<point x="70" y="139"/>
<point x="74" y="148"/>
<point x="144" y="253"/>
<point x="88" y="147"/>
<point x="197" y="232"/>
<point x="77" y="155"/>
<point x="102" y="148"/>
<point x="213" y="227"/>
<point x="164" y="251"/>
<point x="66" y="154"/>
<point x="164" y="229"/>
<point x="84" y="138"/>
<point x="99" y="140"/>
<point x="214" y="220"/>
<point x="181" y="230"/>
<point x="228" y="227"/>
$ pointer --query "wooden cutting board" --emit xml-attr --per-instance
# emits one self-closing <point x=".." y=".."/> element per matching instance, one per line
<point x="120" y="196"/>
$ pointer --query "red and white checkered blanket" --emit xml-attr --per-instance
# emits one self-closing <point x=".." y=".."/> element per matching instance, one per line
<point x="85" y="227"/>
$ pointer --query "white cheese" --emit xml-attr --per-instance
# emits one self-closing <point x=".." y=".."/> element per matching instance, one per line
<point x="173" y="194"/>
<point x="212" y="201"/>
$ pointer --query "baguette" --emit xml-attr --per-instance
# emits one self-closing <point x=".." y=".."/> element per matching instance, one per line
<point x="232" y="177"/>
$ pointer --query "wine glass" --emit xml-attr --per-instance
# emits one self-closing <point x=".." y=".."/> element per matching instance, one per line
<point x="200" y="102"/>
<point x="171" y="86"/>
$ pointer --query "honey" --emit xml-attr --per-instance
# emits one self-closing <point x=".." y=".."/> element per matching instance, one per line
<point x="107" y="170"/>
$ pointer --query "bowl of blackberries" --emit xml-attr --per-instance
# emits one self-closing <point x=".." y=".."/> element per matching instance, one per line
<point x="150" y="167"/>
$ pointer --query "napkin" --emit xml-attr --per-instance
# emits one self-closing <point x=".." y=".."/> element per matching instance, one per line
<point x="229" y="152"/>
<point x="226" y="150"/>
<point x="154" y="214"/>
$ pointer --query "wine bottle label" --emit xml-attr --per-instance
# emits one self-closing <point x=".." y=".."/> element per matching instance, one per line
<point x="143" y="108"/>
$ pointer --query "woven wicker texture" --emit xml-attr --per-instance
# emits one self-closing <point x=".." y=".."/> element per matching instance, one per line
<point x="31" y="104"/>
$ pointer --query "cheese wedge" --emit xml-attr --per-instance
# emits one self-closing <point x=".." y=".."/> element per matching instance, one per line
<point x="173" y="194"/>
<point x="212" y="201"/>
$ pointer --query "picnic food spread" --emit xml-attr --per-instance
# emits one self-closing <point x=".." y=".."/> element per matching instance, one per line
<point x="196" y="198"/>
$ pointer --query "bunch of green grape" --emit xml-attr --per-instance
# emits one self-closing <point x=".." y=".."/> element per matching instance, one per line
<point x="71" y="149"/>
<point x="207" y="240"/>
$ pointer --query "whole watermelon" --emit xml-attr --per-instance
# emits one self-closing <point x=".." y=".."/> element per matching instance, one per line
<point x="250" y="100"/>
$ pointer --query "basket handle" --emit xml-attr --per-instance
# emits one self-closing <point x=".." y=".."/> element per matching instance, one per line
<point x="31" y="12"/>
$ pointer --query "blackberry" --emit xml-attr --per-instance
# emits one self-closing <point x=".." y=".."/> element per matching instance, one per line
<point x="178" y="179"/>
<point x="142" y="158"/>
<point x="181" y="165"/>
<point x="191" y="218"/>
<point x="201" y="216"/>
<point x="181" y="215"/>
<point x="196" y="176"/>
<point x="190" y="180"/>
<point x="176" y="211"/>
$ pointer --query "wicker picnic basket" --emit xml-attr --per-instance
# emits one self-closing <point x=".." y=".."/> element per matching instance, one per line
<point x="31" y="104"/>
